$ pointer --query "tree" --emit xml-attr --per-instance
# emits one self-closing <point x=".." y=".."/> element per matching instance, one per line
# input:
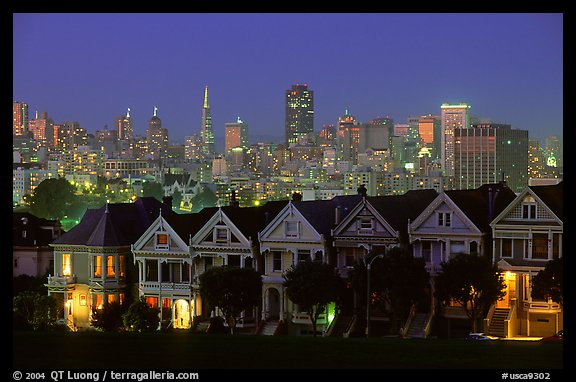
<point x="153" y="189"/>
<point x="398" y="280"/>
<point x="32" y="310"/>
<point x="109" y="318"/>
<point x="232" y="290"/>
<point x="312" y="285"/>
<point x="176" y="199"/>
<point x="52" y="198"/>
<point x="471" y="281"/>
<point x="141" y="317"/>
<point x="548" y="282"/>
<point x="205" y="198"/>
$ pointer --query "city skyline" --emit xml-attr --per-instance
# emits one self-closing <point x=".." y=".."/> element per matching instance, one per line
<point x="395" y="65"/>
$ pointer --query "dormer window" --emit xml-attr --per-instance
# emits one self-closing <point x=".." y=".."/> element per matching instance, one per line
<point x="444" y="219"/>
<point x="291" y="228"/>
<point x="162" y="240"/>
<point x="529" y="211"/>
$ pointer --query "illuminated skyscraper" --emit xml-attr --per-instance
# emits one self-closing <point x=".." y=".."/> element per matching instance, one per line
<point x="124" y="127"/>
<point x="20" y="118"/>
<point x="42" y="128"/>
<point x="453" y="116"/>
<point x="206" y="131"/>
<point x="156" y="137"/>
<point x="299" y="113"/>
<point x="429" y="129"/>
<point x="489" y="152"/>
<point x="236" y="135"/>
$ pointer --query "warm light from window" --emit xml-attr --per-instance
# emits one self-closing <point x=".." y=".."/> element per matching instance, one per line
<point x="66" y="264"/>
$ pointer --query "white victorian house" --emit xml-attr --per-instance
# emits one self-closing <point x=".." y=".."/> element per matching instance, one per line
<point x="527" y="234"/>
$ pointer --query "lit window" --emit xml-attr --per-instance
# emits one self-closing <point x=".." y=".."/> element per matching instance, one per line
<point x="110" y="271"/>
<point x="66" y="264"/>
<point x="152" y="301"/>
<point x="97" y="266"/>
<point x="161" y="240"/>
<point x="122" y="265"/>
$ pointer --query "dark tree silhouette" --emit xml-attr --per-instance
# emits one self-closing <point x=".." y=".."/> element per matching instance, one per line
<point x="548" y="282"/>
<point x="471" y="281"/>
<point x="232" y="290"/>
<point x="312" y="285"/>
<point x="141" y="317"/>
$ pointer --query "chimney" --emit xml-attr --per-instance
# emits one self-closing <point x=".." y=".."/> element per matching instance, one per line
<point x="233" y="201"/>
<point x="362" y="190"/>
<point x="337" y="212"/>
<point x="296" y="197"/>
<point x="266" y="218"/>
<point x="167" y="201"/>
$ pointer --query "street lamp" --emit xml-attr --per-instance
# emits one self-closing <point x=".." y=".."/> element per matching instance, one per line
<point x="368" y="294"/>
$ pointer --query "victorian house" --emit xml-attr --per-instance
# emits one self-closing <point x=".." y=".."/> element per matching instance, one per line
<point x="456" y="221"/>
<point x="373" y="226"/>
<point x="526" y="235"/>
<point x="92" y="261"/>
<point x="299" y="232"/>
<point x="175" y="250"/>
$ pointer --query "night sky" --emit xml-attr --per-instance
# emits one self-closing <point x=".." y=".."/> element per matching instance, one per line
<point x="91" y="67"/>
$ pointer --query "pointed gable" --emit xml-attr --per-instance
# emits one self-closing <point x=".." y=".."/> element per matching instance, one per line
<point x="534" y="204"/>
<point x="364" y="220"/>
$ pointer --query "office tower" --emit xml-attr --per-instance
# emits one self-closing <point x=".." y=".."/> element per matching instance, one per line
<point x="206" y="131"/>
<point x="453" y="116"/>
<point x="124" y="127"/>
<point x="69" y="135"/>
<point x="488" y="153"/>
<point x="348" y="137"/>
<point x="156" y="137"/>
<point x="429" y="128"/>
<point x="299" y="113"/>
<point x="42" y="129"/>
<point x="401" y="130"/>
<point x="20" y="118"/>
<point x="236" y="135"/>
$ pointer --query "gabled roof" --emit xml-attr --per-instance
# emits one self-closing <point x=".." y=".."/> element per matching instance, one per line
<point x="475" y="203"/>
<point x="321" y="213"/>
<point x="249" y="220"/>
<point x="122" y="225"/>
<point x="552" y="196"/>
<point x="398" y="209"/>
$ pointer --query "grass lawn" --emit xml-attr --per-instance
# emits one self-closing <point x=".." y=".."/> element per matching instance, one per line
<point x="95" y="350"/>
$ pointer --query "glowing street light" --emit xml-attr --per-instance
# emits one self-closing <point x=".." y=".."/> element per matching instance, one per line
<point x="368" y="294"/>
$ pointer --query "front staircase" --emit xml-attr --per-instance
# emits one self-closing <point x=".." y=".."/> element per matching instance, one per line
<point x="339" y="326"/>
<point x="496" y="327"/>
<point x="269" y="328"/>
<point x="417" y="327"/>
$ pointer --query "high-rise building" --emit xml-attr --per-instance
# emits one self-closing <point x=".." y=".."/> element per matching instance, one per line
<point x="20" y="118"/>
<point x="206" y="131"/>
<point x="348" y="137"/>
<point x="236" y="135"/>
<point x="488" y="153"/>
<point x="42" y="129"/>
<point x="299" y="113"/>
<point x="327" y="135"/>
<point x="156" y="137"/>
<point x="453" y="116"/>
<point x="69" y="135"/>
<point x="124" y="127"/>
<point x="553" y="151"/>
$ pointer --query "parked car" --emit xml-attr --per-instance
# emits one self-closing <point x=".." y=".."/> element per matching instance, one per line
<point x="479" y="337"/>
<point x="556" y="337"/>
